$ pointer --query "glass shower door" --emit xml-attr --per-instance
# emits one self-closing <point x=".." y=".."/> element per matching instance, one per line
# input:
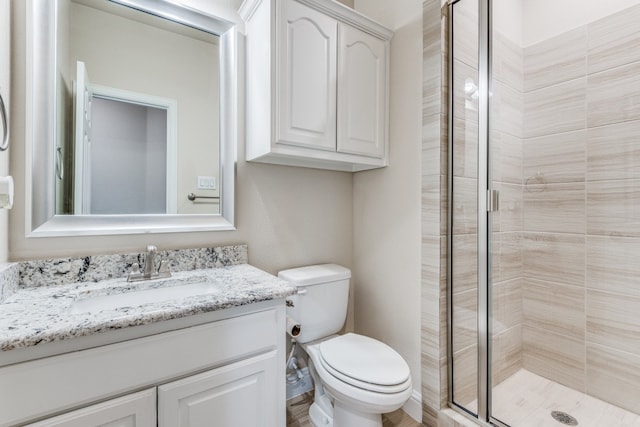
<point x="471" y="205"/>
<point x="544" y="286"/>
<point x="464" y="205"/>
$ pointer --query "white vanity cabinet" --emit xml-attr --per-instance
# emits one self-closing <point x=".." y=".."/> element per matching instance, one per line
<point x="227" y="372"/>
<point x="317" y="85"/>
<point x="134" y="410"/>
<point x="240" y="394"/>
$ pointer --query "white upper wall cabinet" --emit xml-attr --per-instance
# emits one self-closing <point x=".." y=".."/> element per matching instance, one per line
<point x="308" y="77"/>
<point x="362" y="99"/>
<point x="317" y="75"/>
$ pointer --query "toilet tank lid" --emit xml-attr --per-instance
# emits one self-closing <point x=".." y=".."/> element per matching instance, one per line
<point x="314" y="274"/>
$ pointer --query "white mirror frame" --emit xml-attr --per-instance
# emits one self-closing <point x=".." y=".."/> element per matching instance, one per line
<point x="41" y="220"/>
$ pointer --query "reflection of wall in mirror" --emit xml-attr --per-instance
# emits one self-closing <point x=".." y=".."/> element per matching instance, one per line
<point x="4" y="90"/>
<point x="64" y="112"/>
<point x="125" y="54"/>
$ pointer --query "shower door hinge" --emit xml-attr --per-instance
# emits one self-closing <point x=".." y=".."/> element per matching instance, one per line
<point x="493" y="200"/>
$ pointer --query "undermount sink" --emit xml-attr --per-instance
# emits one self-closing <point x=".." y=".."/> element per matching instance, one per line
<point x="142" y="297"/>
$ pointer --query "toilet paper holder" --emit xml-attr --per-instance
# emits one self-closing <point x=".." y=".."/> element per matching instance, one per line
<point x="293" y="327"/>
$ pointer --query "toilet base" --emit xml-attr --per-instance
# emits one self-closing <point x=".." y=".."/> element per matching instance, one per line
<point x="344" y="416"/>
<point x="341" y="417"/>
<point x="318" y="417"/>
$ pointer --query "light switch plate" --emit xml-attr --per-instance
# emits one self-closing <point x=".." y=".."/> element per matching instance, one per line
<point x="206" y="183"/>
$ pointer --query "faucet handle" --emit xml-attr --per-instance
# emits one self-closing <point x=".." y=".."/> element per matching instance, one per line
<point x="135" y="274"/>
<point x="135" y="268"/>
<point x="164" y="266"/>
<point x="164" y="271"/>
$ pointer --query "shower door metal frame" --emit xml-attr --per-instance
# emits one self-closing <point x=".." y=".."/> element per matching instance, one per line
<point x="486" y="202"/>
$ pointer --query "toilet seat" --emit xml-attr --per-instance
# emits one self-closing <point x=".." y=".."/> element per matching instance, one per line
<point x="365" y="363"/>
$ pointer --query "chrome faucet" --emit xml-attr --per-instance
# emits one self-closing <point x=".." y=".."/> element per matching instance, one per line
<point x="150" y="271"/>
<point x="149" y="261"/>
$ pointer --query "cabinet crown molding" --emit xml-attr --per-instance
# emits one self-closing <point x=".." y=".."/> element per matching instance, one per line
<point x="247" y="8"/>
<point x="331" y="8"/>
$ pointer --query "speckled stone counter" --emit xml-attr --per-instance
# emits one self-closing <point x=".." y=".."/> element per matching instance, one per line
<point x="8" y="280"/>
<point x="31" y="315"/>
<point x="38" y="315"/>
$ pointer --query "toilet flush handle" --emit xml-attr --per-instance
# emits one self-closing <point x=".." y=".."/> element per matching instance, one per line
<point x="289" y="303"/>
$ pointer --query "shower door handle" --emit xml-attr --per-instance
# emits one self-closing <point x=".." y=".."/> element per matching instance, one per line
<point x="493" y="201"/>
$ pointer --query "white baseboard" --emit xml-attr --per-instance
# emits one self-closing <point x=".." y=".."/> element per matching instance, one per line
<point x="413" y="407"/>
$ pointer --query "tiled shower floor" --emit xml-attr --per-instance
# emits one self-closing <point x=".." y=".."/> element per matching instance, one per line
<point x="526" y="400"/>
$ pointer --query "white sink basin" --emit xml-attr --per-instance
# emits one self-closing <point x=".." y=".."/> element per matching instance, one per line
<point x="141" y="297"/>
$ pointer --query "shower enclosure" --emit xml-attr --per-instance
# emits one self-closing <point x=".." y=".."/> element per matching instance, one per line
<point x="544" y="211"/>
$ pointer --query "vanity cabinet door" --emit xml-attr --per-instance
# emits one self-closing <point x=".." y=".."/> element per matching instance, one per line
<point x="240" y="394"/>
<point x="307" y="79"/>
<point x="134" y="410"/>
<point x="362" y="93"/>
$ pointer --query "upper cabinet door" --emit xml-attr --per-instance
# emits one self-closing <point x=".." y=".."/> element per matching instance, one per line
<point x="363" y="93"/>
<point x="307" y="78"/>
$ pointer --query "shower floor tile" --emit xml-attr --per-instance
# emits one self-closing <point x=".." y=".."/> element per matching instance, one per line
<point x="526" y="400"/>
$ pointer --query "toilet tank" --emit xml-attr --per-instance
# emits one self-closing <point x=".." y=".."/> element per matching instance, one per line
<point x="320" y="307"/>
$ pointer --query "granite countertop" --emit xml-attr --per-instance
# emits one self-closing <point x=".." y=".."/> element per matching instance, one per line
<point x="32" y="316"/>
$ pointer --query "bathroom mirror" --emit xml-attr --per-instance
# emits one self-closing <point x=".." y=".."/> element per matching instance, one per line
<point x="133" y="122"/>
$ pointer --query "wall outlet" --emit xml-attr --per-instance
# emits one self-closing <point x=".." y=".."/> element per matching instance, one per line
<point x="206" y="183"/>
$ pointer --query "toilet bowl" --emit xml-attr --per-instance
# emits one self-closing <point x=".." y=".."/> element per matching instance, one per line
<point x="362" y="377"/>
<point x="357" y="378"/>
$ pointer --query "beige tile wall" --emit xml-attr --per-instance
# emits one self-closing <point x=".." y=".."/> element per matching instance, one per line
<point x="434" y="228"/>
<point x="581" y="205"/>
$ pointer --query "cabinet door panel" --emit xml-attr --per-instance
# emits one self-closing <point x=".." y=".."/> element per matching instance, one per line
<point x="307" y="82"/>
<point x="240" y="394"/>
<point x="134" y="410"/>
<point x="362" y="102"/>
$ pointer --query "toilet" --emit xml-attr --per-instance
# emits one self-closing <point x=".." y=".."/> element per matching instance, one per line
<point x="357" y="378"/>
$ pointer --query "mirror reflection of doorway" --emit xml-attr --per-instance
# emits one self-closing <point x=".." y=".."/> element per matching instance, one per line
<point x="126" y="148"/>
<point x="128" y="159"/>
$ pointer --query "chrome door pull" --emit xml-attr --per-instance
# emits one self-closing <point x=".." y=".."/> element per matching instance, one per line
<point x="493" y="201"/>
